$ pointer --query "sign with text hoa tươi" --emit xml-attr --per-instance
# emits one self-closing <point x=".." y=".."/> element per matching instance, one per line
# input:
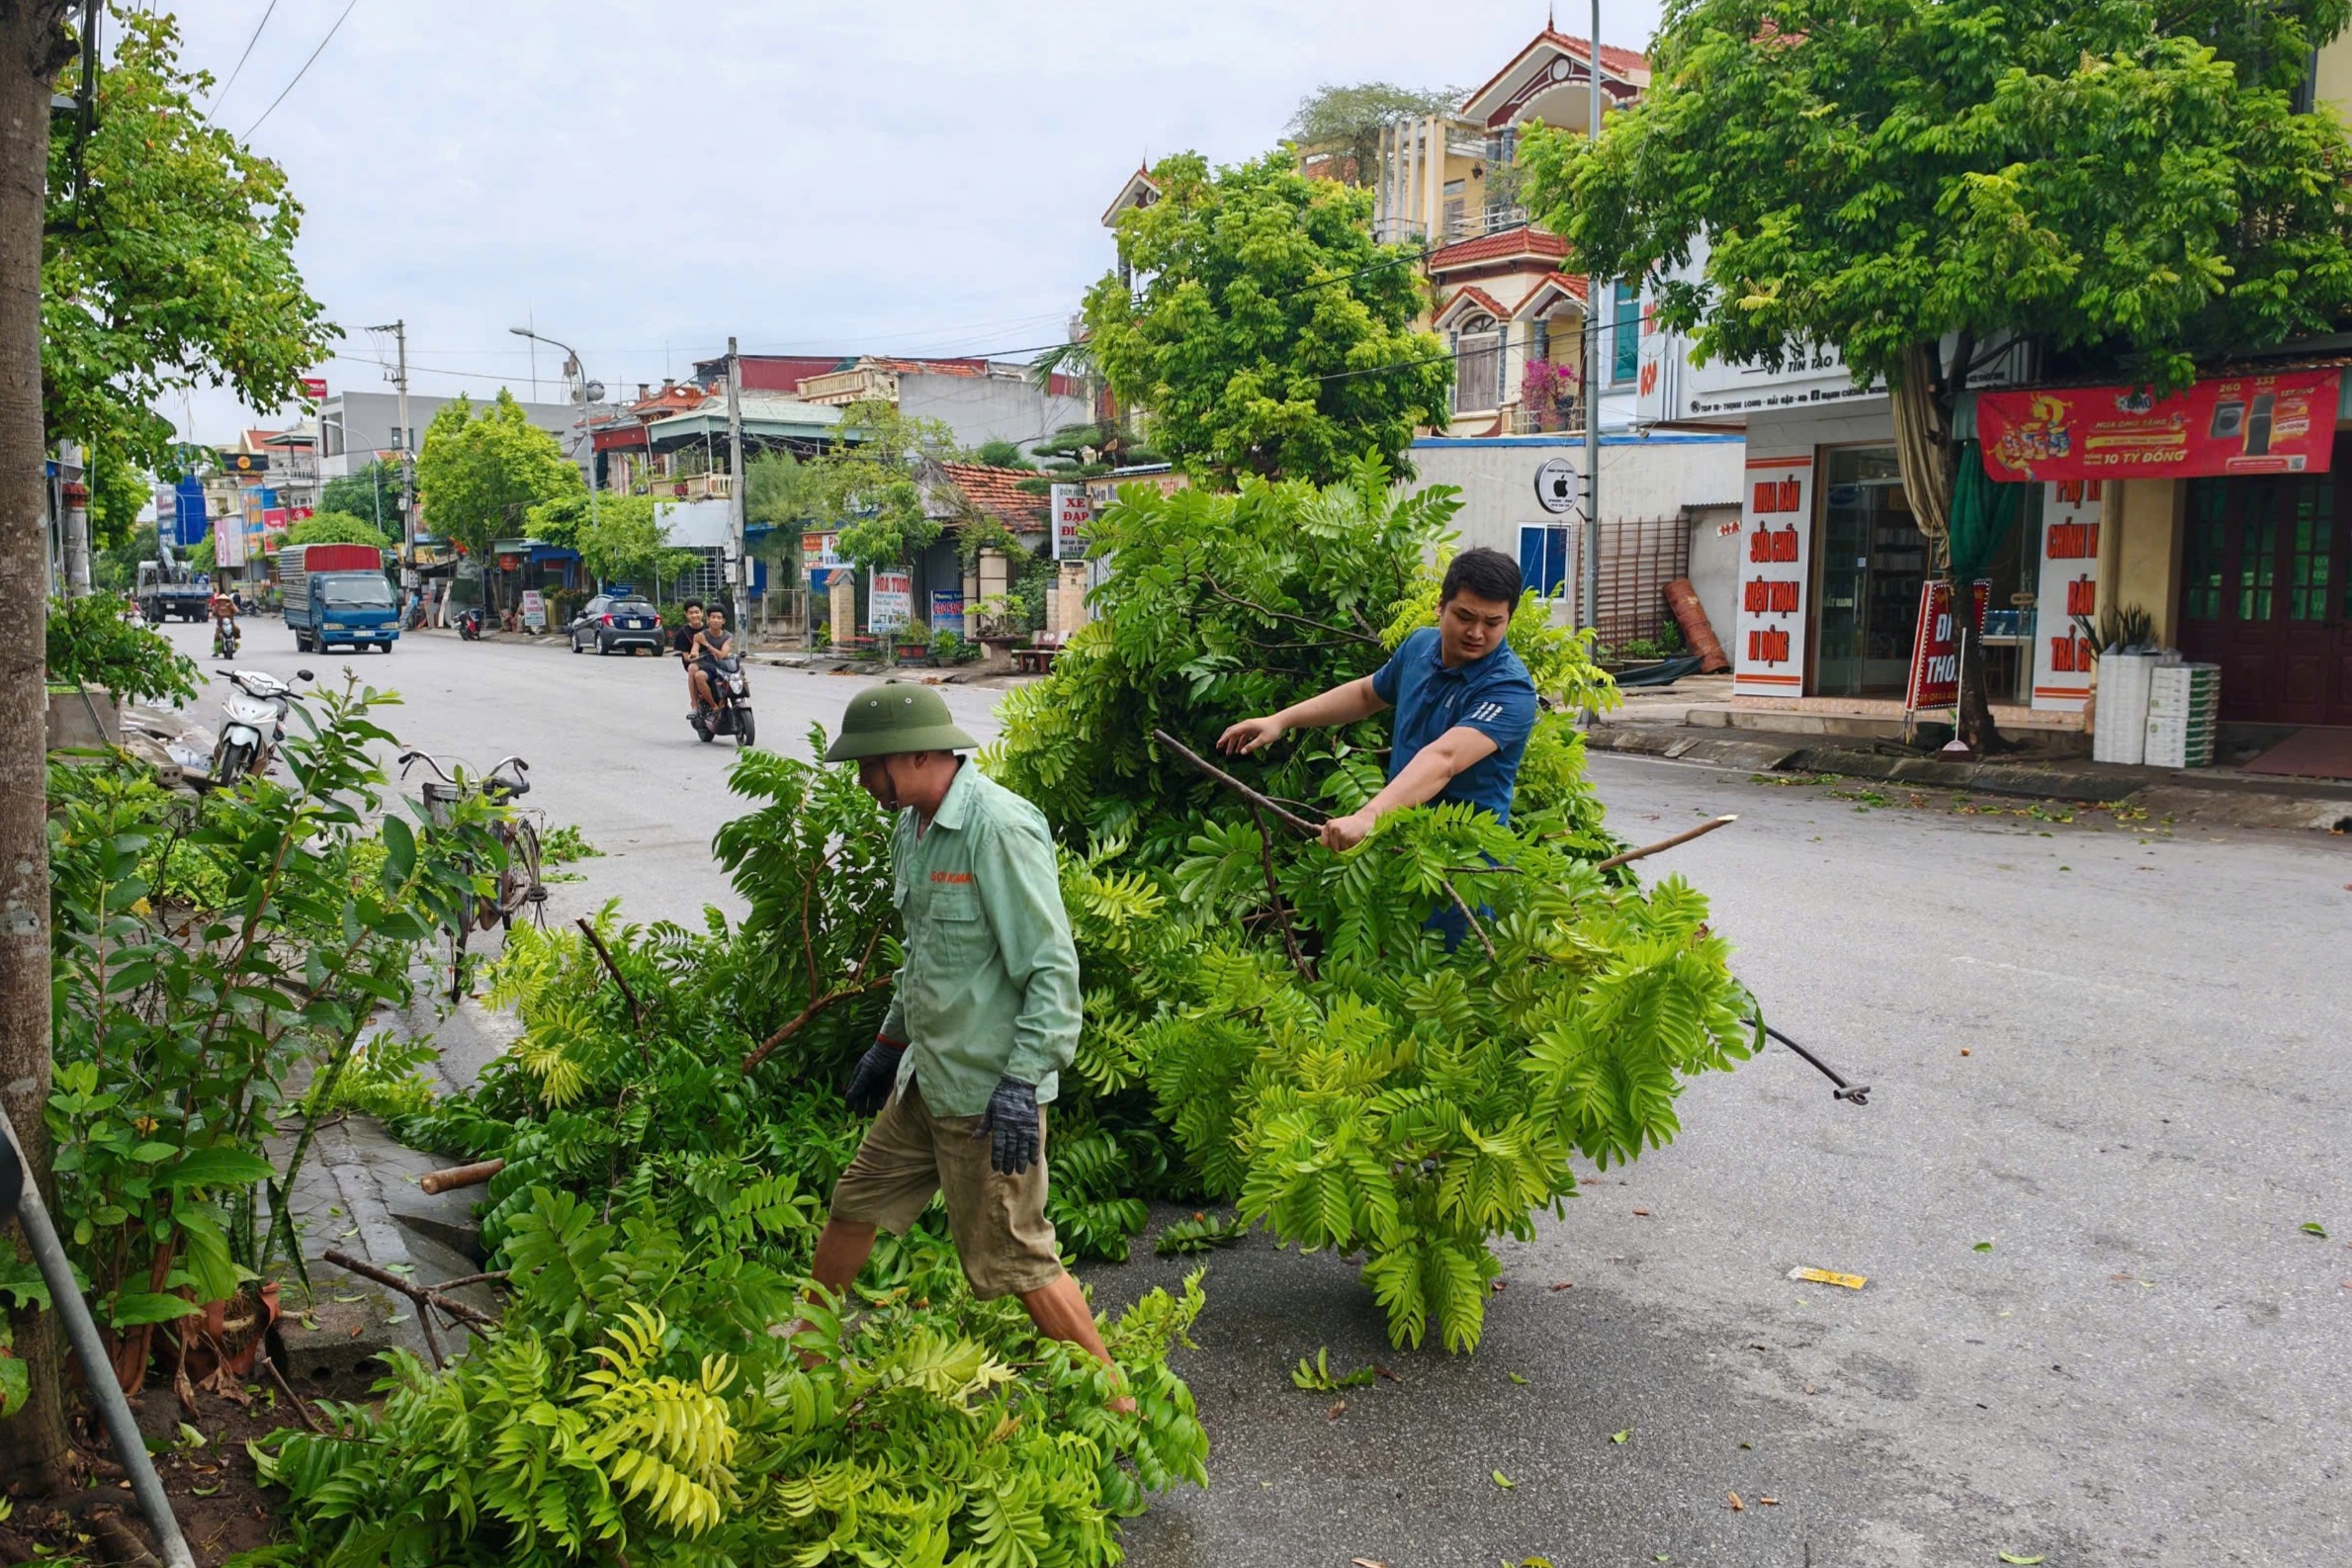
<point x="1776" y="520"/>
<point x="2279" y="424"/>
<point x="2067" y="586"/>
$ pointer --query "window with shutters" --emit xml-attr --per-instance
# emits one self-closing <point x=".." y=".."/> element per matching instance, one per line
<point x="1477" y="365"/>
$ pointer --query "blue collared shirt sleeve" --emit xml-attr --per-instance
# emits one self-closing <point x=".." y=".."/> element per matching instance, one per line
<point x="1385" y="679"/>
<point x="1504" y="713"/>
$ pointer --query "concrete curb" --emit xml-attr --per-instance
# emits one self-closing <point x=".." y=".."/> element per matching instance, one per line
<point x="2214" y="801"/>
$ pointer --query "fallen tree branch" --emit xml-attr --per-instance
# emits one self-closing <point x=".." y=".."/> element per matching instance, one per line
<point x="1265" y="858"/>
<point x="809" y="1013"/>
<point x="1684" y="838"/>
<point x="1266" y="803"/>
<point x="1285" y="615"/>
<point x="270" y="1365"/>
<point x="1477" y="929"/>
<point x="637" y="1011"/>
<point x="420" y="1294"/>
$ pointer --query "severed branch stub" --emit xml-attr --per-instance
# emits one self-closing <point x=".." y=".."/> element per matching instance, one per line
<point x="1683" y="838"/>
<point x="460" y="1176"/>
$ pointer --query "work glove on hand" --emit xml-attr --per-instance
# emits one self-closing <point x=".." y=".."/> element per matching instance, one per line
<point x="1010" y="1126"/>
<point x="877" y="1073"/>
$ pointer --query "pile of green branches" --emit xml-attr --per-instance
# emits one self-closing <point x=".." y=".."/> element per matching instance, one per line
<point x="671" y="1118"/>
<point x="1322" y="1058"/>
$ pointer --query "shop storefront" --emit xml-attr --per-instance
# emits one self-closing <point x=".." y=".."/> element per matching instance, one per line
<point x="2266" y="593"/>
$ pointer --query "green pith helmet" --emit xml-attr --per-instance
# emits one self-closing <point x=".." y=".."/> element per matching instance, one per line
<point x="897" y="716"/>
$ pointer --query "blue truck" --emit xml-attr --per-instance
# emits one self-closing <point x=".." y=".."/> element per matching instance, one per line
<point x="338" y="593"/>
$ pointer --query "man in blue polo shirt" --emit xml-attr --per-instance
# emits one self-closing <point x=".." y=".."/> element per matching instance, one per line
<point x="1465" y="704"/>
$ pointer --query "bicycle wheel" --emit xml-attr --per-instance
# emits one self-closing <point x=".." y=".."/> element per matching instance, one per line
<point x="519" y="885"/>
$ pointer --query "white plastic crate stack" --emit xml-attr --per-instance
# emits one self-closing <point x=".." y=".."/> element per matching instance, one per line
<point x="2121" y="732"/>
<point x="2184" y="706"/>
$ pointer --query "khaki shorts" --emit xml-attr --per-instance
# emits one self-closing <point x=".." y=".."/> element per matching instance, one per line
<point x="1001" y="1234"/>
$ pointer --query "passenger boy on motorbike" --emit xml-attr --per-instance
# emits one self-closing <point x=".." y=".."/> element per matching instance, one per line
<point x="681" y="643"/>
<point x="710" y="644"/>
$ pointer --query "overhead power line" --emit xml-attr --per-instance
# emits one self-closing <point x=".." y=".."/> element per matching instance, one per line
<point x="305" y="71"/>
<point x="214" y="106"/>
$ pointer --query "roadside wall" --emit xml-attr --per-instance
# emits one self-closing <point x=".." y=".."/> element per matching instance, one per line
<point x="1642" y="477"/>
<point x="982" y="408"/>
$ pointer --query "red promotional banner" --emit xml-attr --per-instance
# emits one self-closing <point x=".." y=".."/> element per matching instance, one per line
<point x="2282" y="423"/>
<point x="1935" y="649"/>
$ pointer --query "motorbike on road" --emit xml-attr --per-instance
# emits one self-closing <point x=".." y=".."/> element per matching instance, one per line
<point x="252" y="722"/>
<point x="471" y="624"/>
<point x="732" y="715"/>
<point x="228" y="637"/>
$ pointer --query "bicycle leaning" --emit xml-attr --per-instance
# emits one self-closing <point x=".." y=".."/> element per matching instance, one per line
<point x="518" y="888"/>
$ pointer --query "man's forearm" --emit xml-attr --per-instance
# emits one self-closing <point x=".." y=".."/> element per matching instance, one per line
<point x="1429" y="772"/>
<point x="1340" y="705"/>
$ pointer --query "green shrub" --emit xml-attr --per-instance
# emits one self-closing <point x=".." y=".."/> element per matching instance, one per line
<point x="90" y="643"/>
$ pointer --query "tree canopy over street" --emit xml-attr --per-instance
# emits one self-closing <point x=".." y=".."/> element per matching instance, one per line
<point x="1922" y="184"/>
<point x="168" y="264"/>
<point x="1265" y="333"/>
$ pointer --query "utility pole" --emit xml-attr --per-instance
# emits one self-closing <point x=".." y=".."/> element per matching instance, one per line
<point x="1586" y="378"/>
<point x="399" y="332"/>
<point x="74" y="493"/>
<point x="734" y="489"/>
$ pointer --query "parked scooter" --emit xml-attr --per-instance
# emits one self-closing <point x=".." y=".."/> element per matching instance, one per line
<point x="252" y="722"/>
<point x="471" y="623"/>
<point x="732" y="715"/>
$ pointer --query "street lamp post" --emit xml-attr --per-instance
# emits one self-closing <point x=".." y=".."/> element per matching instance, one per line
<point x="579" y="377"/>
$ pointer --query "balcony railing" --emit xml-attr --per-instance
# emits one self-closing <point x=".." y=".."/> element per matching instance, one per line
<point x="684" y="486"/>
<point x="1395" y="230"/>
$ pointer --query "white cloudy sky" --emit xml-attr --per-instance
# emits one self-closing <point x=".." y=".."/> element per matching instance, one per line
<point x="643" y="180"/>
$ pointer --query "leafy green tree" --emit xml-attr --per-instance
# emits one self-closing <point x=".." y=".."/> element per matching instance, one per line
<point x="867" y="485"/>
<point x="1346" y="121"/>
<point x="371" y="493"/>
<point x="624" y="540"/>
<point x="169" y="264"/>
<point x="336" y="527"/>
<point x="1266" y="334"/>
<point x="482" y="470"/>
<point x="1925" y="184"/>
<point x="1000" y="454"/>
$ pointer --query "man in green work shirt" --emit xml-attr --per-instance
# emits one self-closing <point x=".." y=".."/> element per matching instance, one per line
<point x="985" y="1016"/>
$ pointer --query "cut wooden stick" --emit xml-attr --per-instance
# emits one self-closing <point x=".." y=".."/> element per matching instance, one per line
<point x="1264" y="802"/>
<point x="1683" y="838"/>
<point x="460" y="1176"/>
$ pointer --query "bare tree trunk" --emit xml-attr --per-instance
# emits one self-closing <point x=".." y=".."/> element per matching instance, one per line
<point x="1924" y="397"/>
<point x="32" y="48"/>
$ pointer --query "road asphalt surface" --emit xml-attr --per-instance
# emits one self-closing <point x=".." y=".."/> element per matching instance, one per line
<point x="2095" y="1329"/>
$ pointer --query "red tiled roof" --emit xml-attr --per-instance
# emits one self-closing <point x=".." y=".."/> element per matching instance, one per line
<point x="1574" y="288"/>
<point x="1522" y="242"/>
<point x="1625" y="64"/>
<point x="994" y="490"/>
<point x="1478" y="296"/>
